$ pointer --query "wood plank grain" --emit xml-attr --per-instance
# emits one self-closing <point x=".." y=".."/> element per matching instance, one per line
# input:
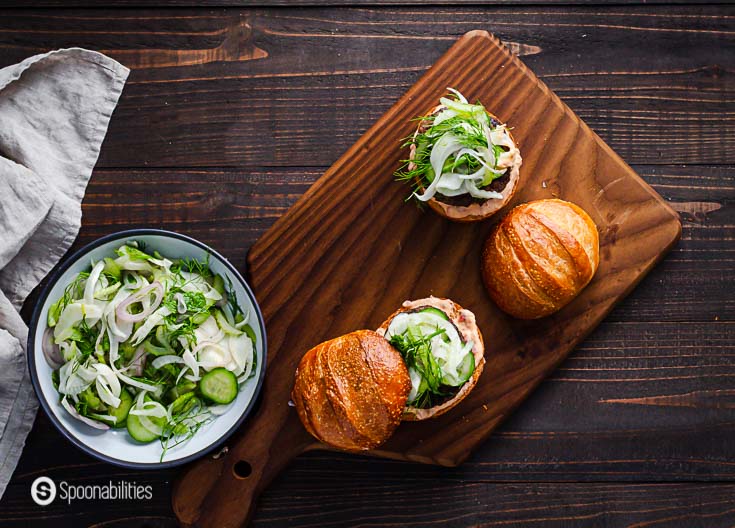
<point x="485" y="504"/>
<point x="665" y="386"/>
<point x="47" y="453"/>
<point x="330" y="3"/>
<point x="230" y="87"/>
<point x="542" y="441"/>
<point x="382" y="501"/>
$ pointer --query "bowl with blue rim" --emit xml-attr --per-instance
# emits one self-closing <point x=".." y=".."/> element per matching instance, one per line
<point x="147" y="284"/>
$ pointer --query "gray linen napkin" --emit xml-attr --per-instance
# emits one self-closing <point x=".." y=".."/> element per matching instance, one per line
<point x="54" y="112"/>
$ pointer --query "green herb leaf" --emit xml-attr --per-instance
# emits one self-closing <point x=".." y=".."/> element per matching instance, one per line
<point x="193" y="265"/>
<point x="416" y="352"/>
<point x="132" y="252"/>
<point x="195" y="301"/>
<point x="188" y="415"/>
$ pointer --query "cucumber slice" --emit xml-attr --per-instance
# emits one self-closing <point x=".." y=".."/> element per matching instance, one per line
<point x="183" y="403"/>
<point x="219" y="284"/>
<point x="226" y="327"/>
<point x="184" y="387"/>
<point x="199" y="318"/>
<point x="435" y="311"/>
<point x="162" y="338"/>
<point x="137" y="431"/>
<point x="93" y="401"/>
<point x="219" y="386"/>
<point x="121" y="411"/>
<point x="250" y="332"/>
<point x="467" y="367"/>
<point x="54" y="312"/>
<point x="112" y="269"/>
<point x="154" y="349"/>
<point x="127" y="351"/>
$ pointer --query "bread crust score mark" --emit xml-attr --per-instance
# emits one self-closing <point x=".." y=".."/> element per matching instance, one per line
<point x="350" y="392"/>
<point x="539" y="257"/>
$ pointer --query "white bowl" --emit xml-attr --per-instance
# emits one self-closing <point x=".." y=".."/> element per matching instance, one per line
<point x="116" y="446"/>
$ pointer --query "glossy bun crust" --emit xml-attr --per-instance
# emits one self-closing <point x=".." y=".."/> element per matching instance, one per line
<point x="475" y="211"/>
<point x="350" y="391"/>
<point x="464" y="321"/>
<point x="539" y="257"/>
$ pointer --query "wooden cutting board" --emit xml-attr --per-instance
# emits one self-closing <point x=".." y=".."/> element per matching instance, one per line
<point x="351" y="250"/>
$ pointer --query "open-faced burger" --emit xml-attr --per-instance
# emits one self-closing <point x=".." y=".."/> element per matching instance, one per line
<point x="463" y="161"/>
<point x="352" y="391"/>
<point x="443" y="350"/>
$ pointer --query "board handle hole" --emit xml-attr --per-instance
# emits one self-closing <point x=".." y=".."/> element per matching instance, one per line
<point x="242" y="469"/>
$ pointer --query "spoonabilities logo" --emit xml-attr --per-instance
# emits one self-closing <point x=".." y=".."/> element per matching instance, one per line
<point x="43" y="491"/>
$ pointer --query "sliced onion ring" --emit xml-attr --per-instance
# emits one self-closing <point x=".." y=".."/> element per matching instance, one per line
<point x="138" y="361"/>
<point x="92" y="423"/>
<point x="51" y="350"/>
<point x="122" y="309"/>
<point x="152" y="427"/>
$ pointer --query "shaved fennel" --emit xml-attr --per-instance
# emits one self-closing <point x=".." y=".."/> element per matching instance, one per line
<point x="130" y="340"/>
<point x="460" y="149"/>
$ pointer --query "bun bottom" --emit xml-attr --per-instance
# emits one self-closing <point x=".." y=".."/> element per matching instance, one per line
<point x="465" y="322"/>
<point x="477" y="211"/>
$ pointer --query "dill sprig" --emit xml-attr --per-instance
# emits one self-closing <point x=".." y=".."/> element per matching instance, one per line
<point x="72" y="292"/>
<point x="416" y="352"/>
<point x="195" y="301"/>
<point x="193" y="265"/>
<point x="186" y="330"/>
<point x="184" y="424"/>
<point x="86" y="338"/>
<point x="232" y="300"/>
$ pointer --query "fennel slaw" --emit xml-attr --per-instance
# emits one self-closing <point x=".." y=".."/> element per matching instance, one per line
<point x="140" y="341"/>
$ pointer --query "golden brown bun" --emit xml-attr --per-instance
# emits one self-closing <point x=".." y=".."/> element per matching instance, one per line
<point x="539" y="257"/>
<point x="475" y="211"/>
<point x="465" y="322"/>
<point x="350" y="391"/>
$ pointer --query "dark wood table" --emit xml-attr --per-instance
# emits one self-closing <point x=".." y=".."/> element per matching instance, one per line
<point x="230" y="113"/>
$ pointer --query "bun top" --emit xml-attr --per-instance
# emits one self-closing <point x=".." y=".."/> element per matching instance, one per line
<point x="539" y="257"/>
<point x="350" y="391"/>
